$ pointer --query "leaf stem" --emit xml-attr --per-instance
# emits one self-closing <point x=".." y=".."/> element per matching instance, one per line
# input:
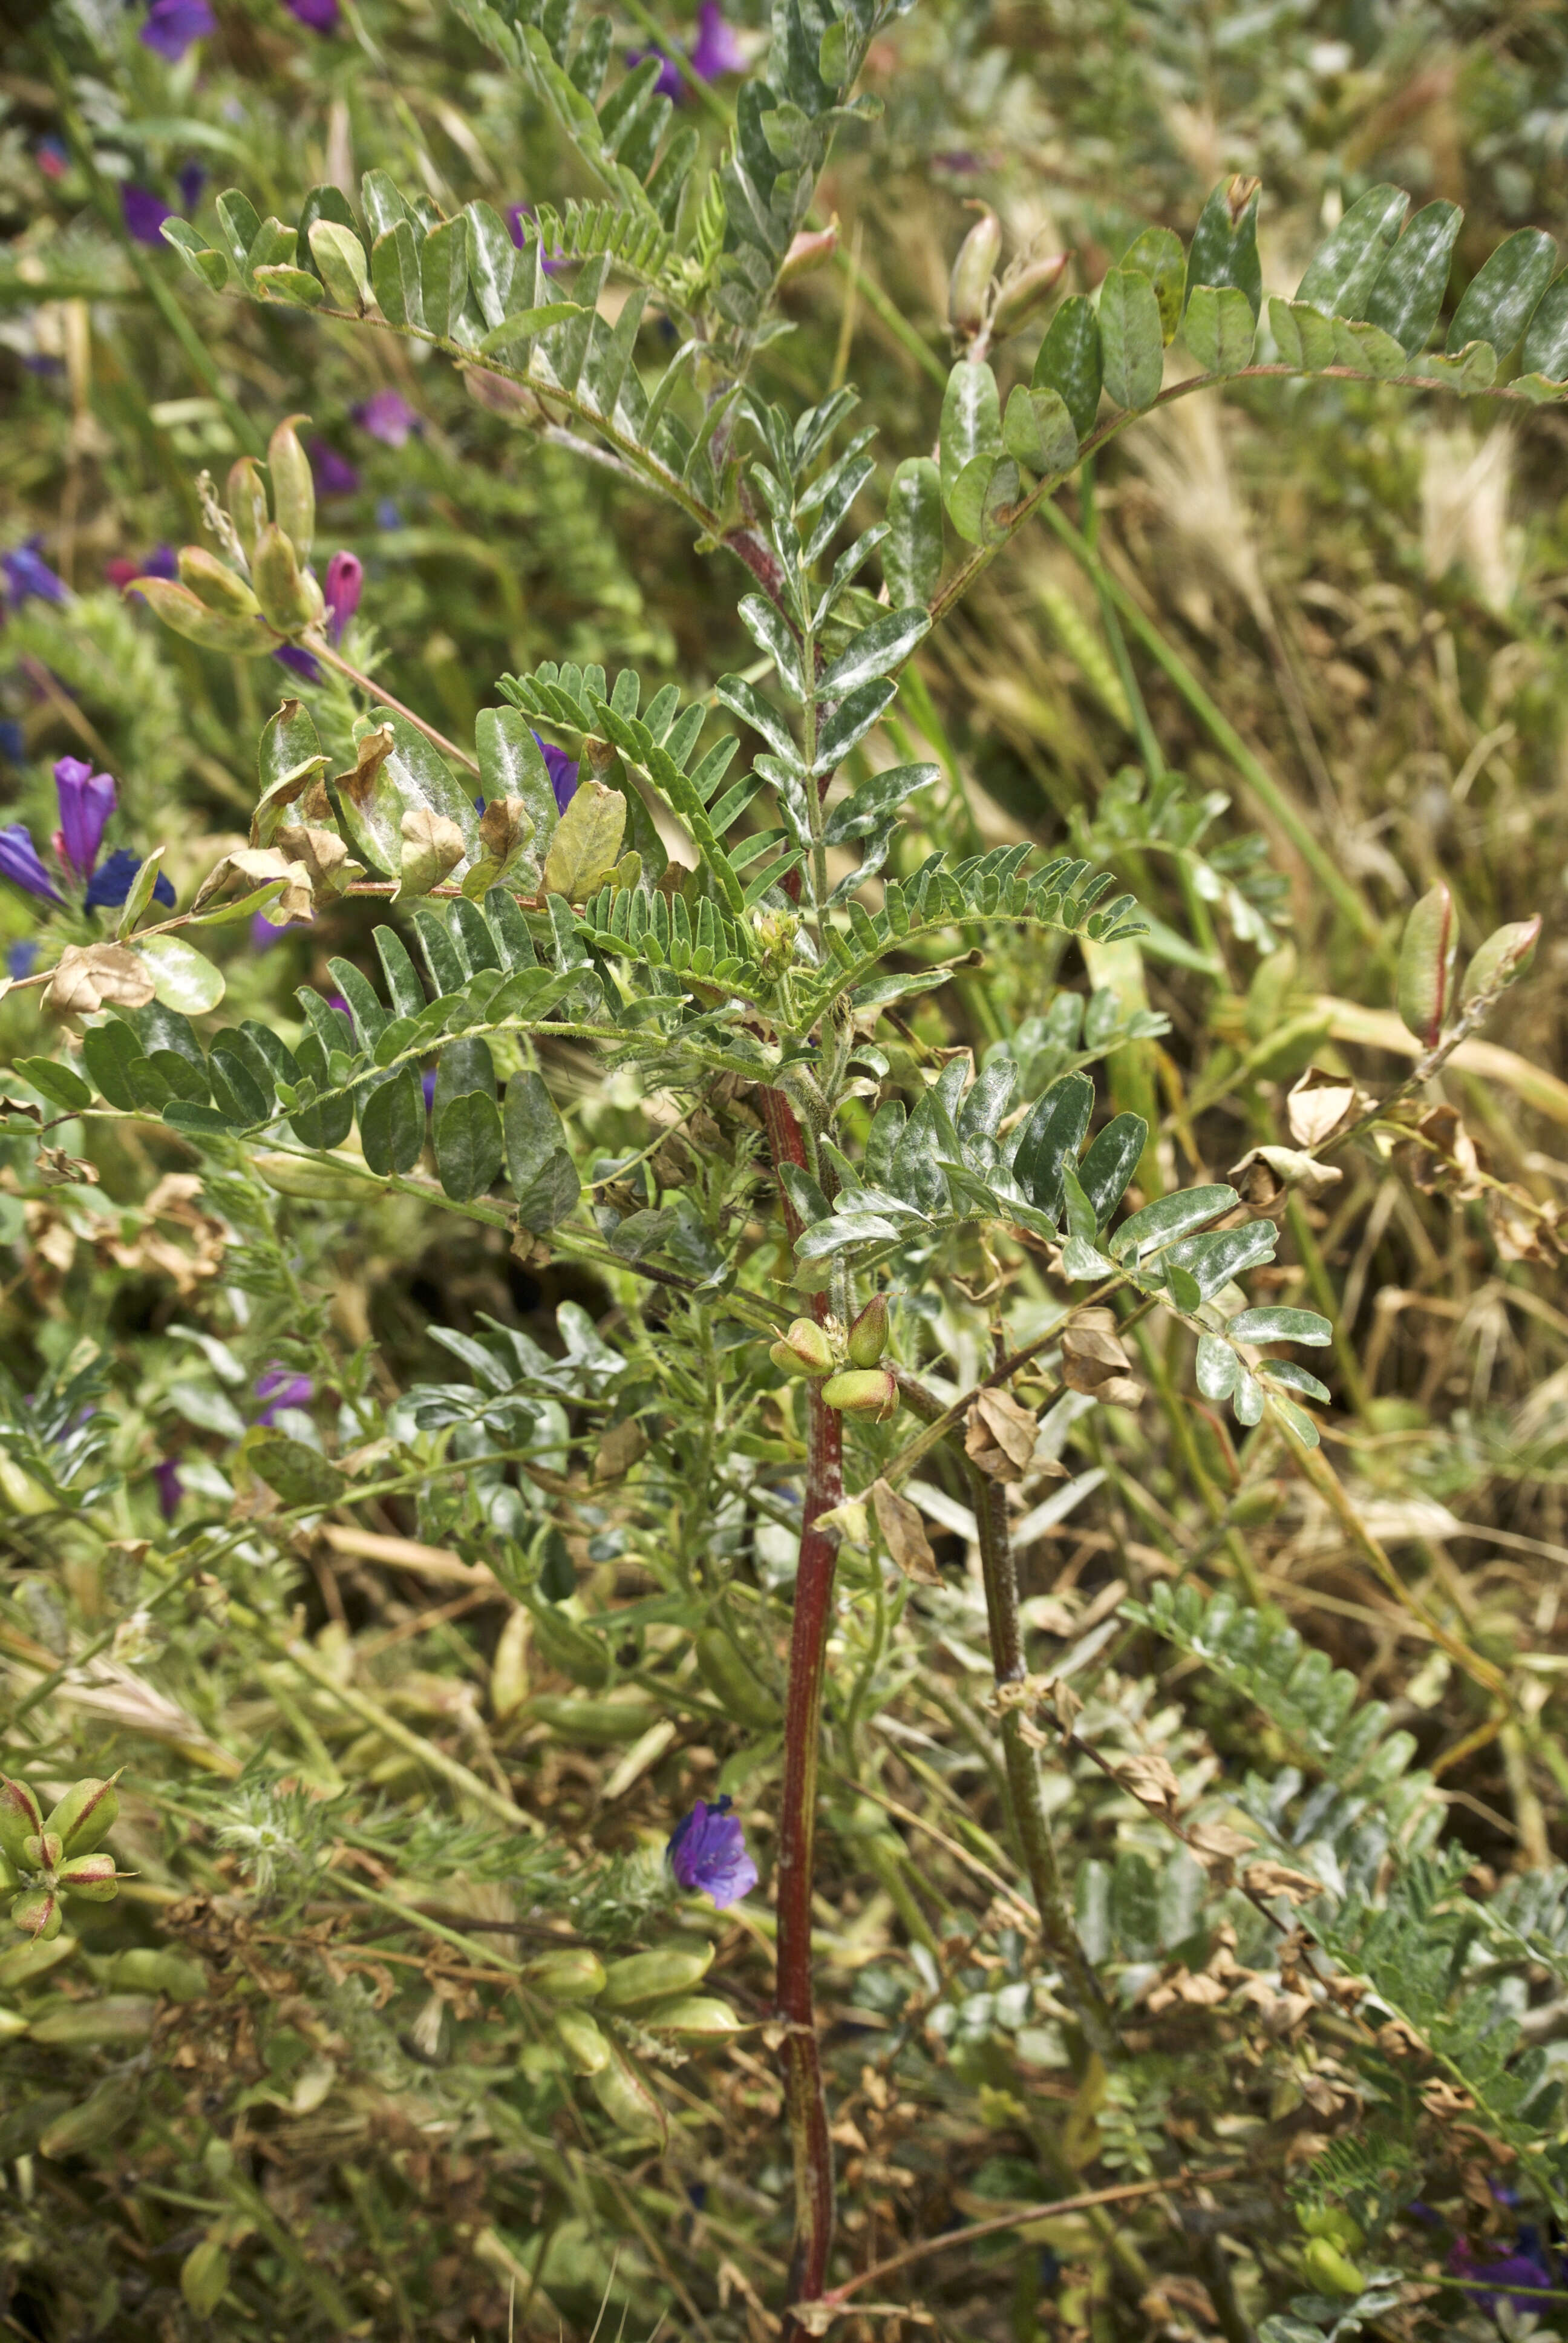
<point x="323" y="650"/>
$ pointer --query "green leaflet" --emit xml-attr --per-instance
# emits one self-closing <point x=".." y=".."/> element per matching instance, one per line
<point x="1157" y="253"/>
<point x="1408" y="293"/>
<point x="1545" y="350"/>
<point x="1220" y="328"/>
<point x="1039" y="431"/>
<point x="1224" y="249"/>
<point x="913" y="548"/>
<point x="1131" y="340"/>
<point x="1499" y="298"/>
<point x="971" y="422"/>
<point x="469" y="1150"/>
<point x="1347" y="264"/>
<point x="1069" y="361"/>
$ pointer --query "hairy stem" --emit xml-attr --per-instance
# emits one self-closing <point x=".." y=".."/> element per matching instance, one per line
<point x="805" y="2102"/>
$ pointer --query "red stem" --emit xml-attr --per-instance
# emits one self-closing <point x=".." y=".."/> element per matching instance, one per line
<point x="806" y="2103"/>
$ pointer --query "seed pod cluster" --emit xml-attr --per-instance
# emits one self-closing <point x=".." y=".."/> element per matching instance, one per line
<point x="654" y="1990"/>
<point x="43" y="1858"/>
<point x="845" y="1365"/>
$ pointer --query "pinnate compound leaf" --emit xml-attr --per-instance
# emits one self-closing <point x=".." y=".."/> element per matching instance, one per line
<point x="1224" y="249"/>
<point x="1169" y="1217"/>
<point x="300" y="1473"/>
<point x="1407" y="296"/>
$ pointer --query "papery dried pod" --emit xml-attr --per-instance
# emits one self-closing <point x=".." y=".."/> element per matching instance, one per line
<point x="1320" y="1103"/>
<point x="1440" y="1156"/>
<point x="904" y="1533"/>
<point x="999" y="1435"/>
<point x="325" y="856"/>
<point x="1267" y="1177"/>
<point x="1522" y="1230"/>
<point x="99" y="976"/>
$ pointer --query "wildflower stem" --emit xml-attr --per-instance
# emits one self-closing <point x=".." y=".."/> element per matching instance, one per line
<point x="805" y="2102"/>
<point x="321" y="649"/>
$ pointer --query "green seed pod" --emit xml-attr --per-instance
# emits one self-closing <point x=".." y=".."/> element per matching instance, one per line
<point x="248" y="503"/>
<point x="1255" y="1504"/>
<point x="10" y="1877"/>
<point x="85" y="1816"/>
<point x="144" y="1969"/>
<point x="509" y="1668"/>
<point x="23" y="1964"/>
<point x="1329" y="2268"/>
<point x="1331" y="2221"/>
<point x="118" y="2019"/>
<point x="105" y="2112"/>
<point x="21" y="1819"/>
<point x="575" y="1973"/>
<point x="699" y="2017"/>
<point x="595" y="1724"/>
<point x="293" y="487"/>
<point x="1426" y="965"/>
<point x="574" y="1650"/>
<point x="643" y="1977"/>
<point x="91" y="1876"/>
<point x="622" y="2091"/>
<point x="318" y="1178"/>
<point x="203" y="2278"/>
<point x="1020" y="293"/>
<point x="803" y="1350"/>
<point x="289" y="594"/>
<point x="215" y="630"/>
<point x="39" y="1914"/>
<point x="870" y="1391"/>
<point x="214" y="583"/>
<point x="869" y="1334"/>
<point x="588" y="2052"/>
<point x="42" y="1852"/>
<point x="969" y="283"/>
<point x="732" y="1683"/>
<point x="1506" y="953"/>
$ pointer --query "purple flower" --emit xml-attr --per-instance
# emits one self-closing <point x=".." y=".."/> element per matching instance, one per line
<point x="428" y="1084"/>
<point x="26" y="572"/>
<point x="19" y="862"/>
<point x="53" y="158"/>
<point x="144" y="213"/>
<point x="707" y="1853"/>
<point x="20" y="959"/>
<point x="389" y="515"/>
<point x="190" y="179"/>
<point x="316" y="15"/>
<point x="108" y="886"/>
<point x="87" y="802"/>
<point x="171" y="1488"/>
<point x="1527" y="2266"/>
<point x="387" y="416"/>
<point x="13" y="739"/>
<point x="669" y="83"/>
<point x="173" y="25"/>
<point x="717" y="50"/>
<point x="299" y="661"/>
<point x="335" y="474"/>
<point x="562" y="770"/>
<point x="280" y="1387"/>
<point x="345" y="580"/>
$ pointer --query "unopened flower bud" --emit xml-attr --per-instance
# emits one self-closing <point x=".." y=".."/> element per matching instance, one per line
<point x="810" y="249"/>
<point x="91" y="1876"/>
<point x="803" y="1350"/>
<point x="85" y="1815"/>
<point x="21" y="1818"/>
<point x="1505" y="954"/>
<point x="345" y="583"/>
<point x="1018" y="295"/>
<point x="972" y="271"/>
<point x="863" y="1391"/>
<point x="869" y="1334"/>
<point x="644" y="1978"/>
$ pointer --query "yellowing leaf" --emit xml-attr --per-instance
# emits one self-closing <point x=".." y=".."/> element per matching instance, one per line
<point x="587" y="843"/>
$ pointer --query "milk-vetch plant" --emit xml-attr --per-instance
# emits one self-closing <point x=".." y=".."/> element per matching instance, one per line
<point x="713" y="907"/>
